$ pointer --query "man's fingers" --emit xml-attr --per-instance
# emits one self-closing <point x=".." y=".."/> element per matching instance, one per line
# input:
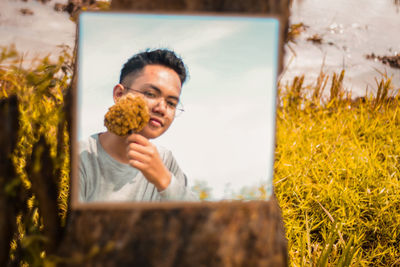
<point x="138" y="148"/>
<point x="137" y="138"/>
<point x="150" y="150"/>
<point x="137" y="164"/>
<point x="134" y="155"/>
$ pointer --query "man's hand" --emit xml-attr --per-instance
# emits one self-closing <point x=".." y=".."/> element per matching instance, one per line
<point x="144" y="156"/>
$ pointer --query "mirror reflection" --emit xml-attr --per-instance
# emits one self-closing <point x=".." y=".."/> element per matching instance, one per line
<point x="176" y="107"/>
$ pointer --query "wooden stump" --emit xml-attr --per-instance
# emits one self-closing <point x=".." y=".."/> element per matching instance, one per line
<point x="236" y="234"/>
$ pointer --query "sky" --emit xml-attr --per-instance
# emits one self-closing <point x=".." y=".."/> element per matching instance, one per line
<point x="225" y="137"/>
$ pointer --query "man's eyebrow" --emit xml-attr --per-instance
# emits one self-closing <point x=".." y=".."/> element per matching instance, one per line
<point x="159" y="91"/>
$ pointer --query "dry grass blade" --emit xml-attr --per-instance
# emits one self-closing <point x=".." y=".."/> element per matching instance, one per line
<point x="336" y="91"/>
<point x="319" y="88"/>
<point x="384" y="86"/>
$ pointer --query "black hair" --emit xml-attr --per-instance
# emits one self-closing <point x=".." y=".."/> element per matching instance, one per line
<point x="162" y="57"/>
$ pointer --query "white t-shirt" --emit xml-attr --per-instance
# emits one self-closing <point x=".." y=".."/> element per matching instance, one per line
<point x="102" y="178"/>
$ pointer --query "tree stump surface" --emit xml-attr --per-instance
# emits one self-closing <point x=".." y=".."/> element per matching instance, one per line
<point x="238" y="234"/>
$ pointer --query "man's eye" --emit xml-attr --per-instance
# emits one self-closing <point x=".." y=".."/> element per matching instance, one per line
<point x="172" y="104"/>
<point x="150" y="94"/>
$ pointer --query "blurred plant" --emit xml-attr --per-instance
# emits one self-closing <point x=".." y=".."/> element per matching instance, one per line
<point x="75" y="7"/>
<point x="40" y="189"/>
<point x="202" y="190"/>
<point x="315" y="39"/>
<point x="337" y="166"/>
<point x="294" y="31"/>
<point x="262" y="191"/>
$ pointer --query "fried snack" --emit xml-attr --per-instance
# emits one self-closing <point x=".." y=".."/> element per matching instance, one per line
<point x="129" y="114"/>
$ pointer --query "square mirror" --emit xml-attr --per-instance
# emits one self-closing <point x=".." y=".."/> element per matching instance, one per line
<point x="221" y="145"/>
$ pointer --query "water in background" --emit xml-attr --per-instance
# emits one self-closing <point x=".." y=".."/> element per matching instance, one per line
<point x="38" y="34"/>
<point x="350" y="29"/>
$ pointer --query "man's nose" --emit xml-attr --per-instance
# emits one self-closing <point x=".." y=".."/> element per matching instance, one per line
<point x="161" y="105"/>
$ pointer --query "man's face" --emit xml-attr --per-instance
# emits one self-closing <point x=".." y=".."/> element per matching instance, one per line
<point x="165" y="82"/>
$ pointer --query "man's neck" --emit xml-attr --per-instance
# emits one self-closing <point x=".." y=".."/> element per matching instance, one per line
<point x="114" y="145"/>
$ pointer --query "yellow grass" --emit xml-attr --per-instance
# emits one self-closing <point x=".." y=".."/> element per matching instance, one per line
<point x="336" y="173"/>
<point x="337" y="165"/>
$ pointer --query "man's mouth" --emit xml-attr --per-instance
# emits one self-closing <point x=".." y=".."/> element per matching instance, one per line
<point x="155" y="122"/>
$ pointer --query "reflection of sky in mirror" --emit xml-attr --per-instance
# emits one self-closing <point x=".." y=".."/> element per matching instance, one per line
<point x="225" y="137"/>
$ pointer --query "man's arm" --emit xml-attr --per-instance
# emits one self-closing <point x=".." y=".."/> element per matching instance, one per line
<point x="144" y="156"/>
<point x="178" y="188"/>
<point x="82" y="181"/>
<point x="178" y="191"/>
<point x="169" y="180"/>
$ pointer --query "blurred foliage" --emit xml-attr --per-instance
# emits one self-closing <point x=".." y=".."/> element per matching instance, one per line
<point x="257" y="191"/>
<point x="75" y="7"/>
<point x="337" y="169"/>
<point x="294" y="32"/>
<point x="263" y="191"/>
<point x="336" y="173"/>
<point x="40" y="89"/>
<point x="202" y="189"/>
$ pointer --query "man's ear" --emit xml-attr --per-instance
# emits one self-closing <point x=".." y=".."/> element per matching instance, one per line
<point x="118" y="91"/>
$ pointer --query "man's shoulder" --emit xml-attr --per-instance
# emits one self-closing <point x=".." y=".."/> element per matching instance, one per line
<point x="166" y="154"/>
<point x="162" y="150"/>
<point x="89" y="145"/>
<point x="168" y="158"/>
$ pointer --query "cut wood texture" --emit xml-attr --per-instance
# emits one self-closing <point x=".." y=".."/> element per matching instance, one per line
<point x="238" y="234"/>
<point x="235" y="234"/>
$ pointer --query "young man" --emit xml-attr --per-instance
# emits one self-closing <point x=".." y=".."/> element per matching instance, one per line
<point x="131" y="168"/>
